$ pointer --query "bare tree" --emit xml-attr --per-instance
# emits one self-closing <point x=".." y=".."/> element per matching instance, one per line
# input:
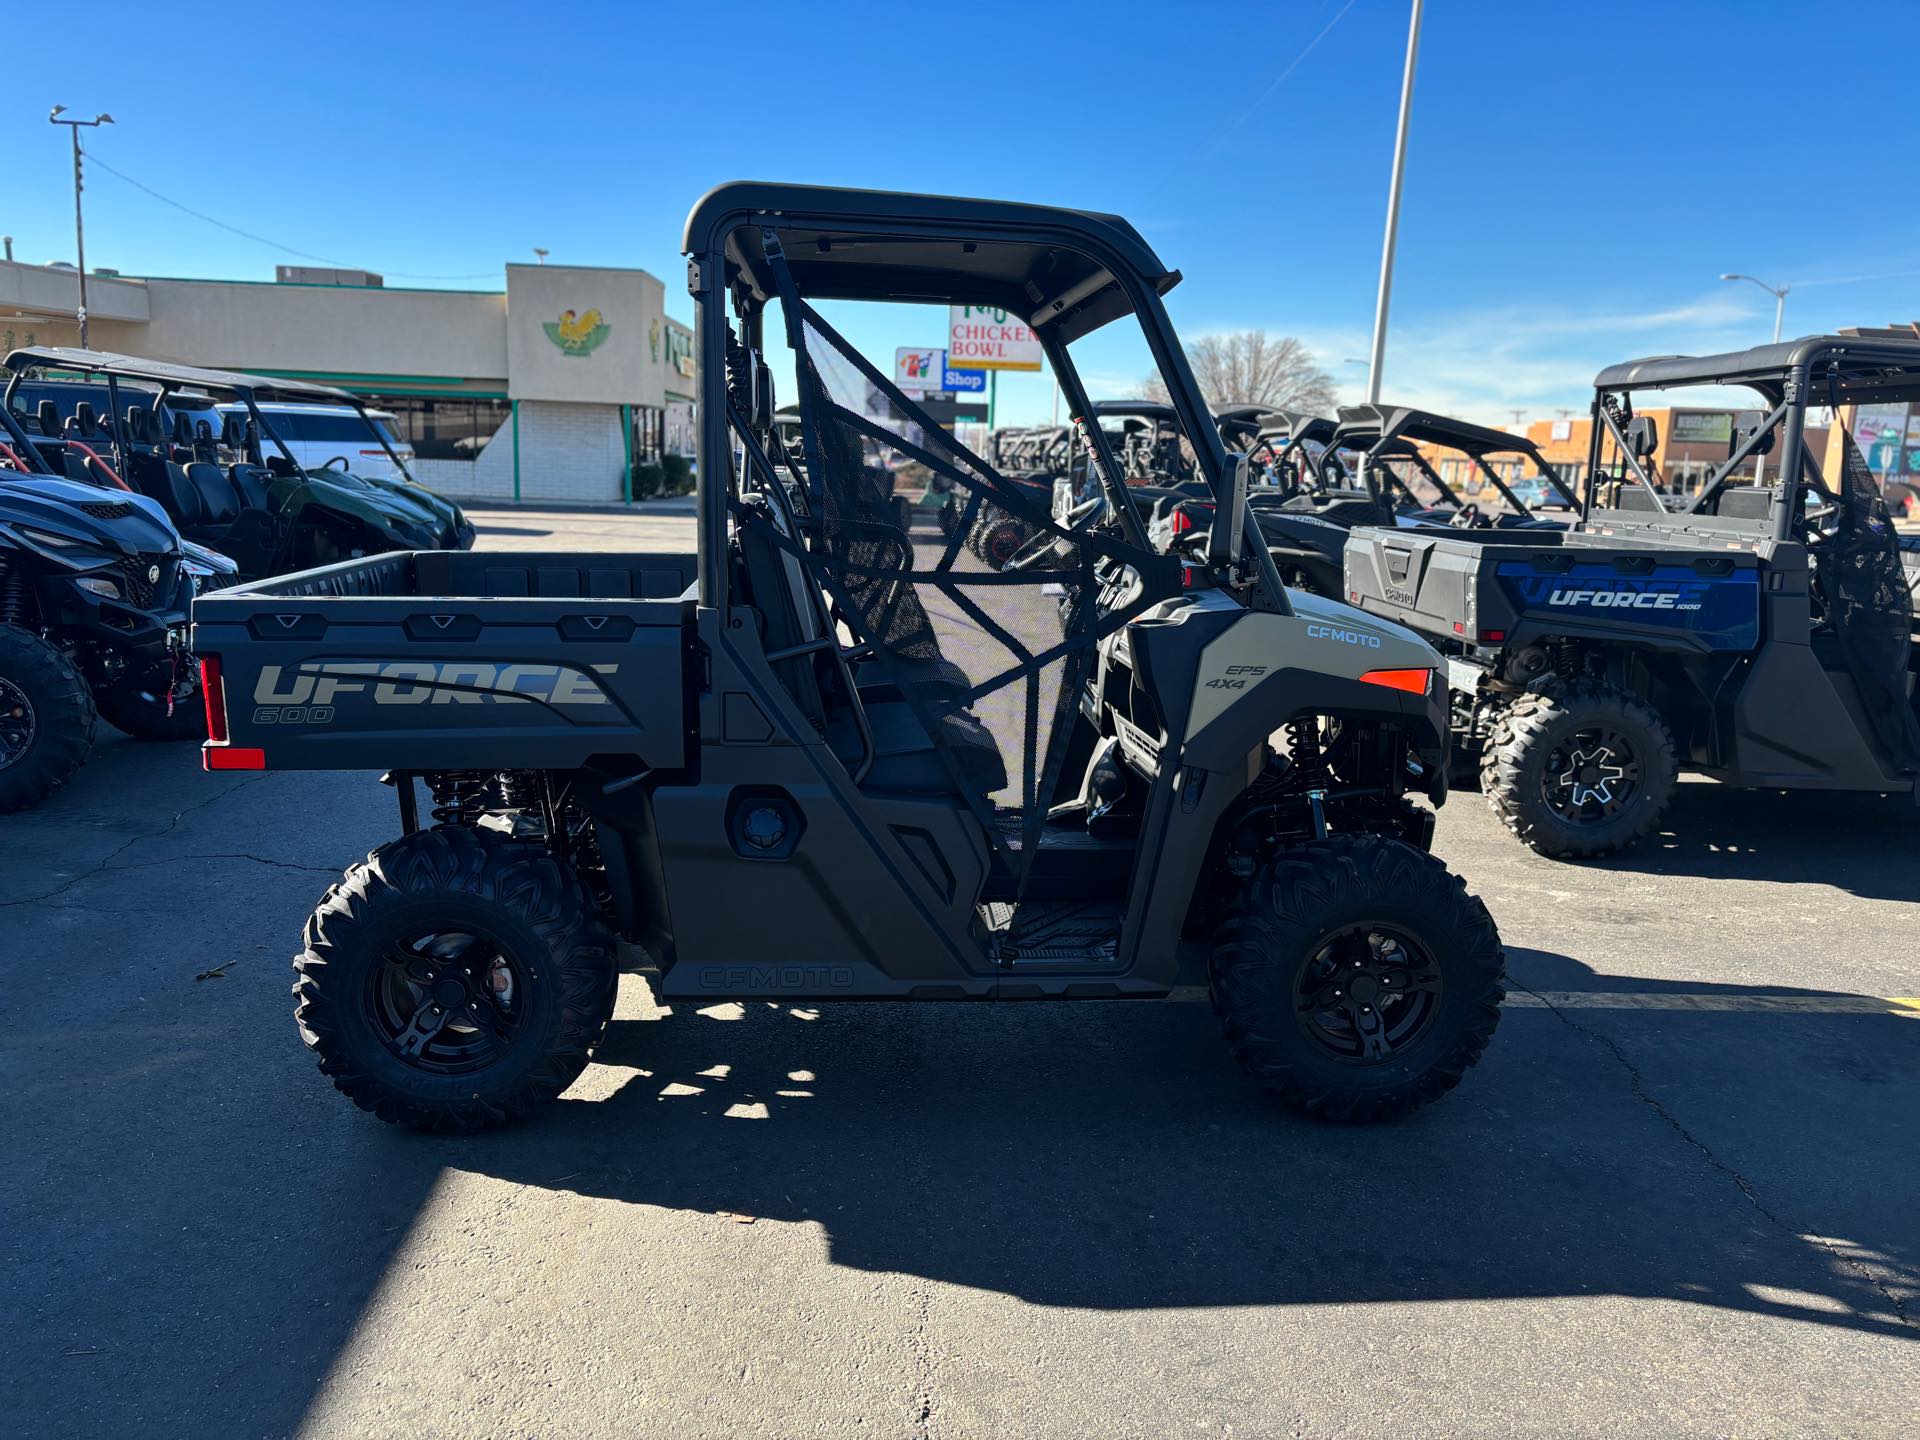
<point x="1251" y="367"/>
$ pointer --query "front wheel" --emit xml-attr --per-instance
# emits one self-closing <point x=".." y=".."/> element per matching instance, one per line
<point x="140" y="710"/>
<point x="1579" y="769"/>
<point x="46" y="718"/>
<point x="454" y="981"/>
<point x="1356" y="979"/>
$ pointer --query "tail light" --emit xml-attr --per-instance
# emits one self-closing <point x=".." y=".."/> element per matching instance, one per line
<point x="1414" y="682"/>
<point x="1182" y="521"/>
<point x="217" y="754"/>
<point x="215" y="696"/>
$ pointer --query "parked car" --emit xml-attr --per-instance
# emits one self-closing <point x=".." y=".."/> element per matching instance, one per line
<point x="333" y="437"/>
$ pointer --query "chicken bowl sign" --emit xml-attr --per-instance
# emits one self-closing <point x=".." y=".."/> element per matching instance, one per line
<point x="983" y="338"/>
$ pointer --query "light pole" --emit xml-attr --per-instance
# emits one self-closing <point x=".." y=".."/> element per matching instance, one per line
<point x="540" y="255"/>
<point x="1393" y="211"/>
<point x="79" y="226"/>
<point x="1779" y="293"/>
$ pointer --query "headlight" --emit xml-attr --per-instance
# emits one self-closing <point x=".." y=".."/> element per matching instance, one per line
<point x="47" y="537"/>
<point x="99" y="585"/>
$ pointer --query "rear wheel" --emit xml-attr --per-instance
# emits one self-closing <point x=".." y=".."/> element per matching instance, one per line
<point x="454" y="982"/>
<point x="46" y="718"/>
<point x="1356" y="979"/>
<point x="1579" y="770"/>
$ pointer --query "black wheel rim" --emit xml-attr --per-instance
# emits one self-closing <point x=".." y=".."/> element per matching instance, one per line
<point x="1592" y="776"/>
<point x="448" y="1002"/>
<point x="1368" y="994"/>
<point x="16" y="722"/>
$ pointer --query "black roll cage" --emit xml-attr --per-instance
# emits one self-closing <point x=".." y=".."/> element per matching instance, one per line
<point x="1398" y="423"/>
<point x="172" y="379"/>
<point x="1834" y="370"/>
<point x="931" y="249"/>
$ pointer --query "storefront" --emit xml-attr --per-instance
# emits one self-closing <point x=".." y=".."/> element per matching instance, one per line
<point x="563" y="385"/>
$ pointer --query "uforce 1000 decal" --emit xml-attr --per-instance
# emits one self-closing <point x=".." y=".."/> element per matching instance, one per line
<point x="311" y="692"/>
<point x="1721" y="612"/>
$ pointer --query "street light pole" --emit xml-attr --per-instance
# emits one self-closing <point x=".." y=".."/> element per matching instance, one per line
<point x="79" y="222"/>
<point x="1393" y="211"/>
<point x="1779" y="293"/>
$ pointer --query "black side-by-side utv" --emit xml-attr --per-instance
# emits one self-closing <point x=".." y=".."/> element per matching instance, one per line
<point x="239" y="491"/>
<point x="817" y="759"/>
<point x="94" y="588"/>
<point x="1759" y="634"/>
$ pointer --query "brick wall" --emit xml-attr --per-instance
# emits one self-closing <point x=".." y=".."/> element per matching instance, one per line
<point x="567" y="452"/>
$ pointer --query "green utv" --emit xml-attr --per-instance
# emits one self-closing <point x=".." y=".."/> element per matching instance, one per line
<point x="818" y="760"/>
<point x="239" y="489"/>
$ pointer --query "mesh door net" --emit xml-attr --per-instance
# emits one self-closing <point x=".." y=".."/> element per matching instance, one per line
<point x="987" y="661"/>
<point x="1869" y="606"/>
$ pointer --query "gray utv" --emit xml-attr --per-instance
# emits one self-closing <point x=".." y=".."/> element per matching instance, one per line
<point x="817" y="760"/>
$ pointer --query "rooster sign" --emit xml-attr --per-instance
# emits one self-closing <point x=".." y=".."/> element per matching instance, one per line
<point x="576" y="334"/>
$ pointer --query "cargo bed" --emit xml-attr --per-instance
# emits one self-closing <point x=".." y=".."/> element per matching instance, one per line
<point x="1693" y="590"/>
<point x="444" y="660"/>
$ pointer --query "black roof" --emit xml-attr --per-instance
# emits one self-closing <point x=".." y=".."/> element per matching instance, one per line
<point x="1145" y="409"/>
<point x="1405" y="422"/>
<point x="132" y="367"/>
<point x="1048" y="265"/>
<point x="1869" y="367"/>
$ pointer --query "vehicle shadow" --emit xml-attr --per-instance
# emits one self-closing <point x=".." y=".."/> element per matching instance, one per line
<point x="1110" y="1156"/>
<point x="1867" y="845"/>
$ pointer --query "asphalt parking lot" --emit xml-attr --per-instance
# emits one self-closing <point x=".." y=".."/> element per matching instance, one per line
<point x="1678" y="1197"/>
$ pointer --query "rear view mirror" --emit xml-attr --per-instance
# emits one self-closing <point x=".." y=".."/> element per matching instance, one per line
<point x="1643" y="436"/>
<point x="1229" y="513"/>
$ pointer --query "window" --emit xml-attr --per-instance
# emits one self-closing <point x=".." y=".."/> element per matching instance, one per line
<point x="442" y="428"/>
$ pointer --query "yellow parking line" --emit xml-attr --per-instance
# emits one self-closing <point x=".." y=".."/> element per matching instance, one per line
<point x="1907" y="1006"/>
<point x="1709" y="1000"/>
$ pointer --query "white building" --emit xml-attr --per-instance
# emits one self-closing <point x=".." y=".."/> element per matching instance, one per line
<point x="565" y="385"/>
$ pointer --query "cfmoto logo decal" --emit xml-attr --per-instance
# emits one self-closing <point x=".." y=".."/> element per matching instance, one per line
<point x="1344" y="636"/>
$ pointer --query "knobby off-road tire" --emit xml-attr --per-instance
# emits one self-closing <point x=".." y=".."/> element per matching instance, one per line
<point x="1002" y="540"/>
<point x="1321" y="934"/>
<point x="387" y="944"/>
<point x="1524" y="769"/>
<point x="142" y="713"/>
<point x="46" y="718"/>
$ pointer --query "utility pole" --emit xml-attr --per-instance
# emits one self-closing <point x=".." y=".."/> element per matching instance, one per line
<point x="79" y="224"/>
<point x="1393" y="211"/>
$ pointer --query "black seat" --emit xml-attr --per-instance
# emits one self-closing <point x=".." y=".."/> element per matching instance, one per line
<point x="218" y="503"/>
<point x="250" y="485"/>
<point x="48" y="414"/>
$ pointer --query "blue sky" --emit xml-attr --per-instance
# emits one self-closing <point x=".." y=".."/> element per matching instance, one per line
<point x="1565" y="206"/>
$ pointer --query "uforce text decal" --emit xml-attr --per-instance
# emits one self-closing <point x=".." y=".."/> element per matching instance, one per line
<point x="308" y="694"/>
<point x="1344" y="636"/>
<point x="1616" y="594"/>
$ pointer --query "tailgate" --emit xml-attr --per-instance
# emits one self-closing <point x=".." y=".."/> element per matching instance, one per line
<point x="361" y="666"/>
<point x="1428" y="579"/>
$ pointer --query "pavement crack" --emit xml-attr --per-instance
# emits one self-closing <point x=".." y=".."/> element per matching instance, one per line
<point x="1637" y="1084"/>
<point x="107" y="861"/>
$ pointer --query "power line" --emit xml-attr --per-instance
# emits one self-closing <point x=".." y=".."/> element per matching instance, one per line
<point x="98" y="163"/>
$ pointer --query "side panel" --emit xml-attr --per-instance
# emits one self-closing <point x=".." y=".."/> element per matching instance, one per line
<point x="860" y="898"/>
